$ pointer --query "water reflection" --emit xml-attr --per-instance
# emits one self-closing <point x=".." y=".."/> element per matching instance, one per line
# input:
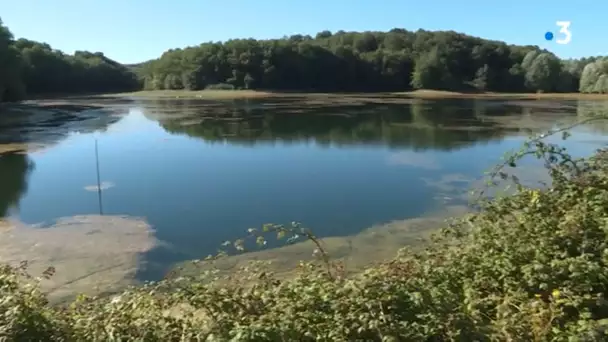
<point x="15" y="168"/>
<point x="201" y="172"/>
<point x="594" y="109"/>
<point x="420" y="125"/>
<point x="50" y="123"/>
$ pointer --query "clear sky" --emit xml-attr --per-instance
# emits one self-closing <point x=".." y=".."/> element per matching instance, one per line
<point x="136" y="30"/>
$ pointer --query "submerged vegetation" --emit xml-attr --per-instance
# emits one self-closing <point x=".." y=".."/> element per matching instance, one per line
<point x="532" y="266"/>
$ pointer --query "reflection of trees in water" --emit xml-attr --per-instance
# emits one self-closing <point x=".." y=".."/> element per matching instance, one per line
<point x="39" y="125"/>
<point x="15" y="169"/>
<point x="51" y="123"/>
<point x="443" y="125"/>
<point x="591" y="109"/>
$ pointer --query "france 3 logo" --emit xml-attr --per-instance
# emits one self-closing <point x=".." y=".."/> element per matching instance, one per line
<point x="564" y="30"/>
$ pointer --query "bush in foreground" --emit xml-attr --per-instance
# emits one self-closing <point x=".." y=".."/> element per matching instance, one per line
<point x="528" y="267"/>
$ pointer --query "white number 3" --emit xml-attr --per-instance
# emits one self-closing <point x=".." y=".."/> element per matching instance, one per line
<point x="564" y="29"/>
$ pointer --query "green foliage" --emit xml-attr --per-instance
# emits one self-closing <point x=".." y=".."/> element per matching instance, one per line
<point x="343" y="61"/>
<point x="481" y="78"/>
<point x="366" y="61"/>
<point x="51" y="71"/>
<point x="11" y="86"/>
<point x="531" y="266"/>
<point x="542" y="71"/>
<point x="593" y="77"/>
<point x="430" y="71"/>
<point x="29" y="67"/>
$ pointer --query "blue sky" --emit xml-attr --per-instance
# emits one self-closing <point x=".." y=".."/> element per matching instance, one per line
<point x="135" y="30"/>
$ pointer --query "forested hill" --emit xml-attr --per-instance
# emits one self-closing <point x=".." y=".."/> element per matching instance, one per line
<point x="397" y="60"/>
<point x="372" y="61"/>
<point x="31" y="68"/>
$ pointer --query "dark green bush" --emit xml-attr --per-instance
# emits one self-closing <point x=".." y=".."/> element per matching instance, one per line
<point x="532" y="266"/>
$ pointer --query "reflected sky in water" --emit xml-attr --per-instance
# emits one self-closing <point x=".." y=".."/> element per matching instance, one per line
<point x="203" y="172"/>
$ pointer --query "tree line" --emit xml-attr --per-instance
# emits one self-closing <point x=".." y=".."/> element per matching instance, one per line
<point x="374" y="61"/>
<point x="29" y="68"/>
<point x="397" y="60"/>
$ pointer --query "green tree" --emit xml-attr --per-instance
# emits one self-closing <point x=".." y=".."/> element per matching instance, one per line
<point x="430" y="71"/>
<point x="11" y="86"/>
<point x="601" y="86"/>
<point x="323" y="34"/>
<point x="591" y="76"/>
<point x="481" y="77"/>
<point x="542" y="72"/>
<point x="367" y="61"/>
<point x="248" y="80"/>
<point x="526" y="63"/>
<point x="345" y="61"/>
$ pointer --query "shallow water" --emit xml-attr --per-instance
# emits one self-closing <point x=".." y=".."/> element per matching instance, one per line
<point x="202" y="172"/>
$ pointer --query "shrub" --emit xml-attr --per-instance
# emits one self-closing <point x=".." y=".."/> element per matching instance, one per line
<point x="532" y="266"/>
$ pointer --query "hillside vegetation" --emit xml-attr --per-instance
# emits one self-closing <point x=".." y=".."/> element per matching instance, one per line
<point x="398" y="60"/>
<point x="528" y="267"/>
<point x="29" y="68"/>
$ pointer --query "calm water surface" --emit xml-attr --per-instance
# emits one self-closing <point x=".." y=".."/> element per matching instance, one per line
<point x="203" y="172"/>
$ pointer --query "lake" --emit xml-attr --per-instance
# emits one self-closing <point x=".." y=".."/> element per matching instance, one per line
<point x="202" y="172"/>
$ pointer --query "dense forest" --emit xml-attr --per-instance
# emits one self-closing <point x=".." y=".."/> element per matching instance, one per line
<point x="398" y="60"/>
<point x="30" y="68"/>
<point x="374" y="61"/>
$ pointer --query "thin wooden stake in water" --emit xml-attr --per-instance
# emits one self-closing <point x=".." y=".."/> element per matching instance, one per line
<point x="98" y="179"/>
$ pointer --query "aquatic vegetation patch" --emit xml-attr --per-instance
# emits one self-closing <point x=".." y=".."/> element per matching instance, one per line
<point x="90" y="254"/>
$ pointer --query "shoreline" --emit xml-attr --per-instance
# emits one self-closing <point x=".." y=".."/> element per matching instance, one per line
<point x="417" y="94"/>
<point x="371" y="246"/>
